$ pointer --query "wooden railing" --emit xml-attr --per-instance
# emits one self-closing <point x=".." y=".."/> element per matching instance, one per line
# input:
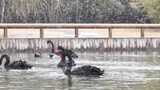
<point x="76" y="27"/>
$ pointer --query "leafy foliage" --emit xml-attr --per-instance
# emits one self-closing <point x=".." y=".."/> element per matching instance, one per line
<point x="152" y="8"/>
<point x="71" y="11"/>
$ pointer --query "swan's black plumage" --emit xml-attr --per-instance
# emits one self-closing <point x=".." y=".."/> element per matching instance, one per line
<point x="86" y="70"/>
<point x="14" y="65"/>
<point x="37" y="54"/>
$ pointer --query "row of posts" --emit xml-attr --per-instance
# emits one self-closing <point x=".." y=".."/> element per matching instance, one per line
<point x="76" y="32"/>
<point x="110" y="32"/>
<point x="42" y="33"/>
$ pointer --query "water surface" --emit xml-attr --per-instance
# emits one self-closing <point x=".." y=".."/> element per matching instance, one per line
<point x="123" y="71"/>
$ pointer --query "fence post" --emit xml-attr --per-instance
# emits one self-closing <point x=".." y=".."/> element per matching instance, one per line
<point x="41" y="33"/>
<point x="142" y="32"/>
<point x="76" y="32"/>
<point x="110" y="32"/>
<point x="5" y="35"/>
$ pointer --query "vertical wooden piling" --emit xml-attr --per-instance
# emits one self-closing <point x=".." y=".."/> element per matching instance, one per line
<point x="110" y="32"/>
<point x="76" y="32"/>
<point x="142" y="32"/>
<point x="41" y="33"/>
<point x="5" y="35"/>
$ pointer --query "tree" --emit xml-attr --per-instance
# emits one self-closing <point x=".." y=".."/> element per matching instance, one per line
<point x="152" y="8"/>
<point x="70" y="11"/>
<point x="3" y="5"/>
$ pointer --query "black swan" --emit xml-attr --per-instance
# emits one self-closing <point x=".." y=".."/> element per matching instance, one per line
<point x="63" y="53"/>
<point x="50" y="43"/>
<point x="5" y="63"/>
<point x="66" y="65"/>
<point x="86" y="70"/>
<point x="66" y="51"/>
<point x="37" y="54"/>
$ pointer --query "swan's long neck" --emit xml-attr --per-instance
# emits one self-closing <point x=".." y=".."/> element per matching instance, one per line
<point x="3" y="63"/>
<point x="51" y="45"/>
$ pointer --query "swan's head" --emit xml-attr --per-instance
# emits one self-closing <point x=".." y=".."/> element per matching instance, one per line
<point x="49" y="42"/>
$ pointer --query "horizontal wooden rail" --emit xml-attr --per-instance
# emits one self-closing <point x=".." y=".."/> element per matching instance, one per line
<point x="41" y="25"/>
<point x="76" y="27"/>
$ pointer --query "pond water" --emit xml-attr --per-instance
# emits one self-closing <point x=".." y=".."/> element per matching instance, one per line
<point x="123" y="71"/>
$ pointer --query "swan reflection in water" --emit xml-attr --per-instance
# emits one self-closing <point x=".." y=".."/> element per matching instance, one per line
<point x="69" y="79"/>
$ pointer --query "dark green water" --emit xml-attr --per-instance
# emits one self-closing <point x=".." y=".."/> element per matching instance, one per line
<point x="123" y="71"/>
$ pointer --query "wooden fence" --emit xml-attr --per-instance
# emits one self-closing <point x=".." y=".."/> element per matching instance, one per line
<point x="142" y="28"/>
<point x="83" y="36"/>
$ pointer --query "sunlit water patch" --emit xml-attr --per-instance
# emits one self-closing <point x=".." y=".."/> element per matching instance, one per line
<point x="123" y="71"/>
